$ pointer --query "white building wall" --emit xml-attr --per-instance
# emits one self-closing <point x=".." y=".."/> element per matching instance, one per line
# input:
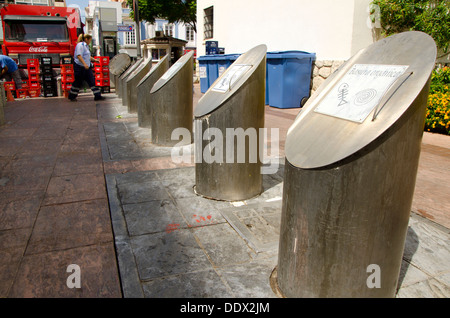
<point x="334" y="30"/>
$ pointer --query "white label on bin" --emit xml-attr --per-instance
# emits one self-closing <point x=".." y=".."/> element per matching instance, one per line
<point x="221" y="70"/>
<point x="234" y="73"/>
<point x="360" y="91"/>
<point x="172" y="70"/>
<point x="202" y="72"/>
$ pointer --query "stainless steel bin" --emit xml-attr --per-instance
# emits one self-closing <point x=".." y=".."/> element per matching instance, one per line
<point x="171" y="100"/>
<point x="143" y="91"/>
<point x="351" y="163"/>
<point x="233" y="108"/>
<point x="130" y="85"/>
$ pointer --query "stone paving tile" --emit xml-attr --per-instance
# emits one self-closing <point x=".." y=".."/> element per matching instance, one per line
<point x="201" y="284"/>
<point x="152" y="217"/>
<point x="19" y="213"/>
<point x="251" y="279"/>
<point x="70" y="163"/>
<point x="223" y="245"/>
<point x="11" y="146"/>
<point x="142" y="192"/>
<point x="428" y="249"/>
<point x="162" y="254"/>
<point x="74" y="188"/>
<point x="12" y="247"/>
<point x="199" y="211"/>
<point x="45" y="274"/>
<point x="71" y="225"/>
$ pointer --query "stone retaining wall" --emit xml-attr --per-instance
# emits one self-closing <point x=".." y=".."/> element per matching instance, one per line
<point x="321" y="71"/>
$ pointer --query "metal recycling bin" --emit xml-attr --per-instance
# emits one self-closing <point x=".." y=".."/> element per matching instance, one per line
<point x="143" y="91"/>
<point x="117" y="66"/>
<point x="171" y="100"/>
<point x="123" y="85"/>
<point x="212" y="67"/>
<point x="351" y="163"/>
<point x="131" y="83"/>
<point x="123" y="77"/>
<point x="288" y="78"/>
<point x="226" y="166"/>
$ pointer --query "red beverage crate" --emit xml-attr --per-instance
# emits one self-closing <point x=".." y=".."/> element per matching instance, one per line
<point x="102" y="75"/>
<point x="34" y="84"/>
<point x="10" y="85"/>
<point x="65" y="78"/>
<point x="25" y="85"/>
<point x="66" y="86"/>
<point x="101" y="69"/>
<point x="33" y="70"/>
<point x="21" y="93"/>
<point x="33" y="62"/>
<point x="33" y="77"/>
<point x="104" y="60"/>
<point x="102" y="82"/>
<point x="34" y="92"/>
<point x="66" y="69"/>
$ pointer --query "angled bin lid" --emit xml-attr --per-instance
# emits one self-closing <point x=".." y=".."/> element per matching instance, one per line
<point x="139" y="69"/>
<point x="152" y="70"/>
<point x="230" y="81"/>
<point x="172" y="71"/>
<point x="383" y="79"/>
<point x="119" y="63"/>
<point x="131" y="69"/>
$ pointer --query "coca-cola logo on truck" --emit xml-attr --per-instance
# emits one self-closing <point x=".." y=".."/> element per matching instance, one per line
<point x="41" y="49"/>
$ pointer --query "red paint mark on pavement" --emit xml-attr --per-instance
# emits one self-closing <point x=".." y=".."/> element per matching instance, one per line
<point x="172" y="227"/>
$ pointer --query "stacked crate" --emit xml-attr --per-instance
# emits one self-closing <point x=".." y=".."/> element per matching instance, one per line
<point x="31" y="87"/>
<point x="67" y="75"/>
<point x="11" y="86"/>
<point x="48" y="81"/>
<point x="102" y="73"/>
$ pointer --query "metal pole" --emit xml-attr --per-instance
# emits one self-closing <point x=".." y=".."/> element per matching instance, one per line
<point x="138" y="32"/>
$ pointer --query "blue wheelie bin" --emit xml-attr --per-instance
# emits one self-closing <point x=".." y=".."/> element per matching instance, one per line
<point x="205" y="63"/>
<point x="288" y="78"/>
<point x="212" y="66"/>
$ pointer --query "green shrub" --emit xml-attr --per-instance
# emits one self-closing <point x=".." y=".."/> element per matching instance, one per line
<point x="438" y="109"/>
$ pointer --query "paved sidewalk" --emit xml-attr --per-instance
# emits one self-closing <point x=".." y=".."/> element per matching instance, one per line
<point x="81" y="184"/>
<point x="54" y="208"/>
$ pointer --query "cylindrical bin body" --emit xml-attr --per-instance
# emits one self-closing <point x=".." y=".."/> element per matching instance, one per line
<point x="288" y="78"/>
<point x="228" y="123"/>
<point x="132" y="82"/>
<point x="171" y="100"/>
<point x="124" y="87"/>
<point x="123" y="77"/>
<point x="143" y="91"/>
<point x="349" y="181"/>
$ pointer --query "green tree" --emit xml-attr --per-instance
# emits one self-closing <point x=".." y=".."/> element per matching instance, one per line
<point x="429" y="16"/>
<point x="172" y="10"/>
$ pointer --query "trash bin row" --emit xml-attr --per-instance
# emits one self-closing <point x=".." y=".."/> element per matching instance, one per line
<point x="288" y="75"/>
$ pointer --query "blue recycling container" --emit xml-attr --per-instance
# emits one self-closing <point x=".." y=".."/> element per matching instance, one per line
<point x="212" y="47"/>
<point x="212" y="66"/>
<point x="288" y="78"/>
